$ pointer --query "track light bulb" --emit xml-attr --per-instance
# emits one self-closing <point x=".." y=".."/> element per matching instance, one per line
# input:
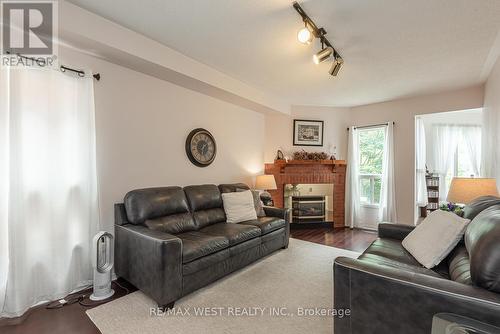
<point x="304" y="36"/>
<point x="337" y="64"/>
<point x="322" y="55"/>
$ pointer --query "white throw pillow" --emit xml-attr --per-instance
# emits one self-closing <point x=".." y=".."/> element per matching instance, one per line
<point x="437" y="235"/>
<point x="239" y="206"/>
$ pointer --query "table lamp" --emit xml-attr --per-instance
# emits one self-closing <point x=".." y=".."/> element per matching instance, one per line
<point x="265" y="182"/>
<point x="464" y="190"/>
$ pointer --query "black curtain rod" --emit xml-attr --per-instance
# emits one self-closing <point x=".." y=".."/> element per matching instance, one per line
<point x="41" y="62"/>
<point x="371" y="126"/>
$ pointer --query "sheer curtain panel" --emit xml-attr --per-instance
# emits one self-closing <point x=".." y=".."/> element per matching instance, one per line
<point x="49" y="204"/>
<point x="387" y="207"/>
<point x="471" y="136"/>
<point x="420" y="162"/>
<point x="445" y="139"/>
<point x="352" y="201"/>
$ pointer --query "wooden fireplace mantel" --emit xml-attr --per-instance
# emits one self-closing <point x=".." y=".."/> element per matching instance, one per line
<point x="309" y="162"/>
<point x="311" y="172"/>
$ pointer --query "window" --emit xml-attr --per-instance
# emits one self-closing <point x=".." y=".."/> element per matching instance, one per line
<point x="371" y="154"/>
<point x="467" y="155"/>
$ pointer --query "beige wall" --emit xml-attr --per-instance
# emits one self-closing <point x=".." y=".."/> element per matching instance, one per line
<point x="142" y="123"/>
<point x="491" y="125"/>
<point x="279" y="130"/>
<point x="403" y="113"/>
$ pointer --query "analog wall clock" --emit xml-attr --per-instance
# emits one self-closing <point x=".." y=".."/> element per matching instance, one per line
<point x="201" y="147"/>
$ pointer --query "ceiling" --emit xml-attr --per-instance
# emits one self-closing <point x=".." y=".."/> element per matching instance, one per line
<point x="391" y="48"/>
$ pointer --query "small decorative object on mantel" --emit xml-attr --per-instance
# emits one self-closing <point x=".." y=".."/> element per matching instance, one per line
<point x="316" y="156"/>
<point x="280" y="155"/>
<point x="307" y="132"/>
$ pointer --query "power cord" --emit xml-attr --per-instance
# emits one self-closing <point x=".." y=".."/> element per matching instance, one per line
<point x="79" y="298"/>
<point x="97" y="303"/>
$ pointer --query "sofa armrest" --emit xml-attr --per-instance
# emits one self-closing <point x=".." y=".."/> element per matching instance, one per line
<point x="272" y="211"/>
<point x="386" y="299"/>
<point x="151" y="260"/>
<point x="394" y="231"/>
<point x="285" y="214"/>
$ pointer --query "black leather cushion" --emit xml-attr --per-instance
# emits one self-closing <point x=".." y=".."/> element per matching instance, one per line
<point x="482" y="239"/>
<point x="235" y="233"/>
<point x="472" y="209"/>
<point x="391" y="249"/>
<point x="207" y="217"/>
<point x="459" y="265"/>
<point x="203" y="197"/>
<point x="232" y="187"/>
<point x="196" y="245"/>
<point x="206" y="204"/>
<point x="391" y="253"/>
<point x="150" y="203"/>
<point x="173" y="224"/>
<point x="205" y="262"/>
<point x="266" y="224"/>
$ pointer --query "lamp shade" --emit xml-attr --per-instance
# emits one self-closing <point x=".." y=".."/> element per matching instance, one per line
<point x="265" y="182"/>
<point x="464" y="190"/>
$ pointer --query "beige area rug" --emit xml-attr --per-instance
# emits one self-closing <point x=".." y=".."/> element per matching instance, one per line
<point x="271" y="295"/>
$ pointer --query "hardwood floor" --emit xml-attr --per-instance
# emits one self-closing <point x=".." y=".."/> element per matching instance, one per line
<point x="346" y="238"/>
<point x="72" y="318"/>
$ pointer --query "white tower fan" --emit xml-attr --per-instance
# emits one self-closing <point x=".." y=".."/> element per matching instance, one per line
<point x="102" y="261"/>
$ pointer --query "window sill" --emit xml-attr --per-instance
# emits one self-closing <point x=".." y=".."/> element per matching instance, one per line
<point x="370" y="206"/>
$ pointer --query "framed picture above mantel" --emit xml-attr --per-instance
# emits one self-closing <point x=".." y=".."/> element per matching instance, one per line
<point x="307" y="132"/>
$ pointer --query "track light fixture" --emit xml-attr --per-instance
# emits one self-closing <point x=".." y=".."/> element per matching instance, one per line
<point x="322" y="55"/>
<point x="305" y="36"/>
<point x="337" y="64"/>
<point x="310" y="30"/>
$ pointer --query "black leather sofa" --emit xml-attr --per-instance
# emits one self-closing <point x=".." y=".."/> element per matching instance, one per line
<point x="388" y="291"/>
<point x="171" y="241"/>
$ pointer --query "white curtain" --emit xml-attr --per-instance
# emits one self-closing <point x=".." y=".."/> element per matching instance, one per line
<point x="387" y="207"/>
<point x="49" y="186"/>
<point x="490" y="150"/>
<point x="471" y="137"/>
<point x="352" y="201"/>
<point x="445" y="139"/>
<point x="420" y="163"/>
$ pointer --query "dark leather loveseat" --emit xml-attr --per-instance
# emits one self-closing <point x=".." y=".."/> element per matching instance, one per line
<point x="171" y="241"/>
<point x="388" y="291"/>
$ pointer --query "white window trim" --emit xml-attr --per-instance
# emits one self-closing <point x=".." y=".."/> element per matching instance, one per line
<point x="371" y="177"/>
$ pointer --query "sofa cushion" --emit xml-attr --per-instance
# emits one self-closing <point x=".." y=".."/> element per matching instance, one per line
<point x="232" y="187"/>
<point x="235" y="233"/>
<point x="196" y="244"/>
<point x="203" y="197"/>
<point x="266" y="224"/>
<point x="482" y="242"/>
<point x="472" y="209"/>
<point x="431" y="241"/>
<point x="205" y="262"/>
<point x="239" y="206"/>
<point x="150" y="203"/>
<point x="387" y="262"/>
<point x="205" y="202"/>
<point x="459" y="265"/>
<point x="173" y="224"/>
<point x="391" y="249"/>
<point x="257" y="203"/>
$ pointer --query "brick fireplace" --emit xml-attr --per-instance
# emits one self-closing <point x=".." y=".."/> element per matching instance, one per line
<point x="311" y="172"/>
